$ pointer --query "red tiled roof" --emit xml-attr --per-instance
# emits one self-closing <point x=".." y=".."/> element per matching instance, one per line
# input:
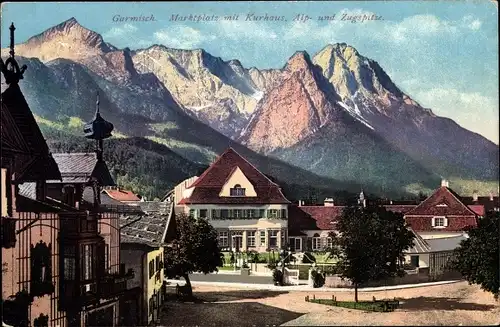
<point x="478" y="209"/>
<point x="442" y="196"/>
<point x="122" y="195"/>
<point x="455" y="224"/>
<point x="312" y="218"/>
<point x="208" y="186"/>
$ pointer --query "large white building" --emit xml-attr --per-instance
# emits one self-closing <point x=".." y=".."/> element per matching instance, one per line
<point x="248" y="210"/>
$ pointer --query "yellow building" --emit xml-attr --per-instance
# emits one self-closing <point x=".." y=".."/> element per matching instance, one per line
<point x="248" y="210"/>
<point x="142" y="249"/>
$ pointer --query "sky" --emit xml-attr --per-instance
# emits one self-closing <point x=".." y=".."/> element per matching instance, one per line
<point x="443" y="54"/>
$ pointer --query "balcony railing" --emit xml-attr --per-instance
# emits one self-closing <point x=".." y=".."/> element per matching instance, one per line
<point x="76" y="294"/>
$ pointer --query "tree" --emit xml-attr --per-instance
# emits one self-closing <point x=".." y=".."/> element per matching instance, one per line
<point x="369" y="243"/>
<point x="196" y="248"/>
<point x="477" y="258"/>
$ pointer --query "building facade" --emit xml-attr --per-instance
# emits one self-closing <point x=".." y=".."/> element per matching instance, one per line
<point x="247" y="209"/>
<point x="143" y="238"/>
<point x="60" y="264"/>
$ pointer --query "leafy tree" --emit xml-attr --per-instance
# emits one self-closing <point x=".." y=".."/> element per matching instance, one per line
<point x="369" y="244"/>
<point x="477" y="258"/>
<point x="196" y="248"/>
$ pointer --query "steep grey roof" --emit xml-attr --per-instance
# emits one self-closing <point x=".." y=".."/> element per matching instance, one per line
<point x="150" y="229"/>
<point x="80" y="167"/>
<point x="420" y="245"/>
<point x="445" y="244"/>
<point x="28" y="190"/>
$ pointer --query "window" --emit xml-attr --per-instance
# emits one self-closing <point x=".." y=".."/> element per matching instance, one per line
<point x="237" y="190"/>
<point x="106" y="257"/>
<point x="151" y="268"/>
<point x="203" y="213"/>
<point x="414" y="259"/>
<point x="88" y="256"/>
<point x="316" y="242"/>
<point x="41" y="269"/>
<point x="216" y="213"/>
<point x="283" y="214"/>
<point x="262" y="213"/>
<point x="192" y="213"/>
<point x="272" y="213"/>
<point x="273" y="238"/>
<point x="439" y="222"/>
<point x="329" y="242"/>
<point x="298" y="244"/>
<point x="262" y="238"/>
<point x="223" y="239"/>
<point x="69" y="262"/>
<point x="237" y="213"/>
<point x="69" y="195"/>
<point x="251" y="239"/>
<point x="250" y="213"/>
<point x="157" y="263"/>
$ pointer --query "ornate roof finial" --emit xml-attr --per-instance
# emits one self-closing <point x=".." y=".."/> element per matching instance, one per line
<point x="98" y="128"/>
<point x="10" y="69"/>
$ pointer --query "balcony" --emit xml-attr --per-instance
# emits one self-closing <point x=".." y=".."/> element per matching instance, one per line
<point x="76" y="294"/>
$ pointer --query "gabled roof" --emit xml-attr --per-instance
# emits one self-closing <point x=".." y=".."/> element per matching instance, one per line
<point x="443" y="202"/>
<point x="208" y="186"/>
<point x="32" y="160"/>
<point x="81" y="167"/>
<point x="121" y="195"/>
<point x="312" y="218"/>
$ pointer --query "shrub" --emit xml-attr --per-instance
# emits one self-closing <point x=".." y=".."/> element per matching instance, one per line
<point x="278" y="277"/>
<point x="308" y="258"/>
<point x="318" y="278"/>
<point x="244" y="265"/>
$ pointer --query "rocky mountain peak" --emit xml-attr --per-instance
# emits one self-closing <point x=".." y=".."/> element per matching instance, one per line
<point x="68" y="40"/>
<point x="299" y="61"/>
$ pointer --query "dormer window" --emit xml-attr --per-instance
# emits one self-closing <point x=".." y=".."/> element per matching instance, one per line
<point x="439" y="222"/>
<point x="237" y="190"/>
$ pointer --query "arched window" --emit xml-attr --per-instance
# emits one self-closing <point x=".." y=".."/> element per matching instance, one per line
<point x="237" y="190"/>
<point x="69" y="195"/>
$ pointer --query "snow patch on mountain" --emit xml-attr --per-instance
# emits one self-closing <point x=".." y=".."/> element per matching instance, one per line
<point x="258" y="95"/>
<point x="355" y="113"/>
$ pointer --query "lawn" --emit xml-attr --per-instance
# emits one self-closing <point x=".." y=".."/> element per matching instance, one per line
<point x="376" y="306"/>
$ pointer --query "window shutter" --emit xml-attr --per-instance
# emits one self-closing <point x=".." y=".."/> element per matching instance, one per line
<point x="445" y="222"/>
<point x="283" y="213"/>
<point x="433" y="222"/>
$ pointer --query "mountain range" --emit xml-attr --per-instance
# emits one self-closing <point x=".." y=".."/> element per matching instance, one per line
<point x="332" y="121"/>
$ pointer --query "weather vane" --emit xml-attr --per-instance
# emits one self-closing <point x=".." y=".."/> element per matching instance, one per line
<point x="10" y="69"/>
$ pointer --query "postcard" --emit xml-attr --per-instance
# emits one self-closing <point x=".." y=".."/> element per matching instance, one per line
<point x="265" y="118"/>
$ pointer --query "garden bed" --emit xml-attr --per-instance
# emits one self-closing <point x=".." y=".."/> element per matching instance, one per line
<point x="374" y="306"/>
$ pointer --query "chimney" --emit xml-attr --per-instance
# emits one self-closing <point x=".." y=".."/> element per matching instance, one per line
<point x="491" y="196"/>
<point x="444" y="183"/>
<point x="475" y="196"/>
<point x="300" y="203"/>
<point x="390" y="201"/>
<point x="329" y="202"/>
